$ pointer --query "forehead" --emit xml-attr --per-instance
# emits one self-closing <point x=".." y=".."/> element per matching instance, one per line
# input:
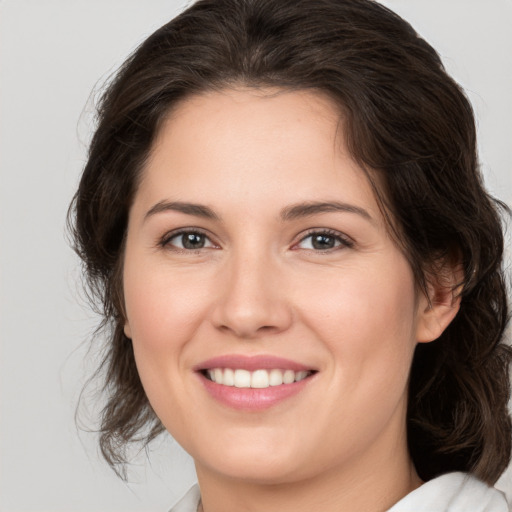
<point x="232" y="117"/>
<point x="254" y="146"/>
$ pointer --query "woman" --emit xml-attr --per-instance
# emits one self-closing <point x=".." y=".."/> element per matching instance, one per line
<point x="283" y="219"/>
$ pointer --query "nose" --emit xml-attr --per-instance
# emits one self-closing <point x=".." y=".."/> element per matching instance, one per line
<point x="252" y="301"/>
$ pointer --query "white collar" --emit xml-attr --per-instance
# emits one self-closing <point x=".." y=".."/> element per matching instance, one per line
<point x="452" y="492"/>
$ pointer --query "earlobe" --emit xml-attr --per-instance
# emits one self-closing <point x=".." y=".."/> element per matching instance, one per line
<point x="127" y="330"/>
<point x="442" y="305"/>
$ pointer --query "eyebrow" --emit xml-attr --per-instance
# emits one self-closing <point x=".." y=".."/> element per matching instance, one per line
<point x="292" y="212"/>
<point x="198" y="210"/>
<point x="310" y="208"/>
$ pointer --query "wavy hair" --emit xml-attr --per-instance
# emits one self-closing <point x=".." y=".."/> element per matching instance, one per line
<point x="412" y="130"/>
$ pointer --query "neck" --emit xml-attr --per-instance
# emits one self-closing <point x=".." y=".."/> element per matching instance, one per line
<point x="372" y="482"/>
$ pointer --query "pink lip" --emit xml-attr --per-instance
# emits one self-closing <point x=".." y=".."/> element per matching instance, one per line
<point x="252" y="399"/>
<point x="251" y="363"/>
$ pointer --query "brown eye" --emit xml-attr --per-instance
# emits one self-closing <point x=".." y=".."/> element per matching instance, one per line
<point x="324" y="241"/>
<point x="193" y="240"/>
<point x="188" y="240"/>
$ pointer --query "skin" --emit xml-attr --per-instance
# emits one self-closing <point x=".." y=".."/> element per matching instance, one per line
<point x="259" y="286"/>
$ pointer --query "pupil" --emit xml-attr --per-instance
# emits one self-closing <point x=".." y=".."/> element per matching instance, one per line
<point x="323" y="242"/>
<point x="193" y="241"/>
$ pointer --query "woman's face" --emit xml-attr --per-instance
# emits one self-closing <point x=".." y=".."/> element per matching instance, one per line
<point x="257" y="255"/>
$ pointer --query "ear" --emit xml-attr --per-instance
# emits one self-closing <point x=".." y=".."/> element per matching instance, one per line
<point x="127" y="330"/>
<point x="436" y="311"/>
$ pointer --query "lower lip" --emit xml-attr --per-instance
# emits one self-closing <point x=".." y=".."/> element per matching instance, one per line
<point x="253" y="399"/>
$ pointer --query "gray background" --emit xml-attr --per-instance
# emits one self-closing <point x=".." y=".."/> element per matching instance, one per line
<point x="53" y="54"/>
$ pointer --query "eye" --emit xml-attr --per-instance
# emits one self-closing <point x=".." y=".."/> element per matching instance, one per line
<point x="187" y="240"/>
<point x="324" y="240"/>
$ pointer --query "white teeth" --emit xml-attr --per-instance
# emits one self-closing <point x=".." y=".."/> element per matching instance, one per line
<point x="218" y="374"/>
<point x="275" y="377"/>
<point x="301" y="376"/>
<point x="288" y="377"/>
<point x="242" y="379"/>
<point x="229" y="377"/>
<point x="258" y="379"/>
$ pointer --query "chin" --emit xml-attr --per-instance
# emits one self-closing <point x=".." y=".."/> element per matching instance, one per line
<point x="257" y="465"/>
<point x="259" y="472"/>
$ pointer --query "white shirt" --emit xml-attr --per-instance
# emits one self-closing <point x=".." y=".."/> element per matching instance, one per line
<point x="453" y="492"/>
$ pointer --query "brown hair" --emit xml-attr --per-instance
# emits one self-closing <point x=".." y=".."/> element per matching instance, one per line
<point x="407" y="123"/>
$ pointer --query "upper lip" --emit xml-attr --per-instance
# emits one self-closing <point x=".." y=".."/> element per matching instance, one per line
<point x="251" y="363"/>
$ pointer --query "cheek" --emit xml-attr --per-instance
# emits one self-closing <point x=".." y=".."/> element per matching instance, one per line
<point x="163" y="313"/>
<point x="160" y="308"/>
<point x="367" y="317"/>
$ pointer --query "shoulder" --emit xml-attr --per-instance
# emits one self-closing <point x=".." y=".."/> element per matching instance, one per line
<point x="189" y="502"/>
<point x="453" y="492"/>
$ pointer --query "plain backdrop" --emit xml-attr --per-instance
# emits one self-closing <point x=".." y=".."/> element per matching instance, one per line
<point x="54" y="56"/>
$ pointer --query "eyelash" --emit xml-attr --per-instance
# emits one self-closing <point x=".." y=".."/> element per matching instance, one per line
<point x="166" y="239"/>
<point x="343" y="240"/>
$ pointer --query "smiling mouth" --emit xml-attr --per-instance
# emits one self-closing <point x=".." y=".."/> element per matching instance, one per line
<point x="257" y="379"/>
